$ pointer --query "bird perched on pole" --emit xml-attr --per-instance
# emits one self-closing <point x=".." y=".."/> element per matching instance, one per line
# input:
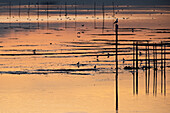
<point x="116" y="21"/>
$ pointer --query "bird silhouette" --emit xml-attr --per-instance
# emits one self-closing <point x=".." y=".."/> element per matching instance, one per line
<point x="116" y="21"/>
<point x="95" y="67"/>
<point x="34" y="51"/>
<point x="123" y="60"/>
<point x="78" y="64"/>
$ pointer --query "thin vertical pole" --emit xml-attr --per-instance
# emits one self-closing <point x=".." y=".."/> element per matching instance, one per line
<point x="94" y="15"/>
<point x="10" y="13"/>
<point x="133" y="67"/>
<point x="103" y="18"/>
<point x="165" y="69"/>
<point x="19" y="9"/>
<point x="60" y="10"/>
<point x="28" y="12"/>
<point x="47" y="16"/>
<point x="113" y="10"/>
<point x="148" y="67"/>
<point x="38" y="13"/>
<point x="65" y="14"/>
<point x="19" y="12"/>
<point x="136" y="67"/>
<point x="161" y="68"/>
<point x="116" y="26"/>
<point x="154" y="68"/>
<point x="75" y="15"/>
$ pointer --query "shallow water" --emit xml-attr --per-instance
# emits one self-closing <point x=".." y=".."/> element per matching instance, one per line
<point x="50" y="80"/>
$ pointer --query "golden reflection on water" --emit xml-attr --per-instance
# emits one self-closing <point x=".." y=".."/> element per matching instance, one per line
<point x="40" y="82"/>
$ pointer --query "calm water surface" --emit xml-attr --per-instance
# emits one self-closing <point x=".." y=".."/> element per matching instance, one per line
<point x="47" y="61"/>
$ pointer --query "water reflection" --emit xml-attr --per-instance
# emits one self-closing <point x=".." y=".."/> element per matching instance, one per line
<point x="76" y="55"/>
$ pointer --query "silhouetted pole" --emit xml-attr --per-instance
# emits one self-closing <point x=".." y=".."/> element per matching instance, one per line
<point x="133" y="67"/>
<point x="60" y="11"/>
<point x="161" y="68"/>
<point x="154" y="68"/>
<point x="75" y="14"/>
<point x="146" y="70"/>
<point x="28" y="12"/>
<point x="65" y="14"/>
<point x="164" y="69"/>
<point x="136" y="67"/>
<point x="47" y="17"/>
<point x="10" y="13"/>
<point x="148" y="67"/>
<point x="113" y="10"/>
<point x="19" y="9"/>
<point x="38" y="13"/>
<point x="94" y="15"/>
<point x="103" y="17"/>
<point x="19" y="12"/>
<point x="116" y="26"/>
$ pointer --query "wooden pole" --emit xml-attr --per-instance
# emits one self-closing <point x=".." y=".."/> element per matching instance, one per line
<point x="148" y="68"/>
<point x="133" y="67"/>
<point x="164" y="70"/>
<point x="154" y="68"/>
<point x="75" y="15"/>
<point x="161" y="68"/>
<point x="65" y="15"/>
<point x="116" y="26"/>
<point x="103" y="17"/>
<point x="136" y="67"/>
<point x="94" y="15"/>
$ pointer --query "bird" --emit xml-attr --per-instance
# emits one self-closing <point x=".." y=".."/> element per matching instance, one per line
<point x="123" y="60"/>
<point x="140" y="53"/>
<point x="95" y="67"/>
<point x="34" y="51"/>
<point x="78" y="64"/>
<point x="132" y="29"/>
<point x="108" y="55"/>
<point x="116" y="21"/>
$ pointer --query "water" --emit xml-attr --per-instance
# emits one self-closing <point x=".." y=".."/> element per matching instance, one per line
<point x="39" y="58"/>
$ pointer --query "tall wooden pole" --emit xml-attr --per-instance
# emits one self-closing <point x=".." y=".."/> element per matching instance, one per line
<point x="116" y="26"/>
